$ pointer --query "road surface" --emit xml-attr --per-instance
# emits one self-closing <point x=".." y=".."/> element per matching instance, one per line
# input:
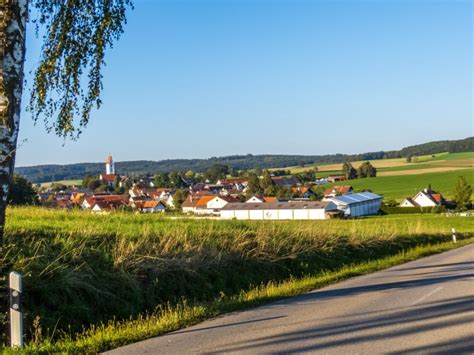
<point x="425" y="306"/>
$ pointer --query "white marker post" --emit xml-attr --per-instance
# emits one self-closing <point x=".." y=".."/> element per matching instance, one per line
<point x="16" y="316"/>
<point x="454" y="235"/>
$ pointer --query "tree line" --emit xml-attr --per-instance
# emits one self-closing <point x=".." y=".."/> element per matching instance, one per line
<point x="47" y="173"/>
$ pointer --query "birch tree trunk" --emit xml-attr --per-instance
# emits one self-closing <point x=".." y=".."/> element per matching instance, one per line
<point x="13" y="16"/>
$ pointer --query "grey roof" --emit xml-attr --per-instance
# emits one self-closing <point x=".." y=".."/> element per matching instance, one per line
<point x="357" y="198"/>
<point x="291" y="181"/>
<point x="293" y="205"/>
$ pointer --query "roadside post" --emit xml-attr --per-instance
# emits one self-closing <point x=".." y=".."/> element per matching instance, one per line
<point x="16" y="315"/>
<point x="454" y="235"/>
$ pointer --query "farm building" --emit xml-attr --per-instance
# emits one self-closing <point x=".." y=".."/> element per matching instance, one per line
<point x="299" y="210"/>
<point x="358" y="204"/>
<point x="336" y="178"/>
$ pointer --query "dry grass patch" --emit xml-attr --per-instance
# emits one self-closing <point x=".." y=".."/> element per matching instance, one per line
<point x="419" y="171"/>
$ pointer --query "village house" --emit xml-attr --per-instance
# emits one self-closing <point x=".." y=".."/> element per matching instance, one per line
<point x="89" y="202"/>
<point x="238" y="184"/>
<point x="337" y="191"/>
<point x="217" y="203"/>
<point x="424" y="198"/>
<point x="153" y="207"/>
<point x="358" y="204"/>
<point x="261" y="199"/>
<point x="106" y="206"/>
<point x="285" y="181"/>
<point x="294" y="210"/>
<point x="146" y="181"/>
<point x="77" y="198"/>
<point x="304" y="191"/>
<point x="335" y="178"/>
<point x="163" y="195"/>
<point x="196" y="204"/>
<point x="321" y="181"/>
<point x="206" y="204"/>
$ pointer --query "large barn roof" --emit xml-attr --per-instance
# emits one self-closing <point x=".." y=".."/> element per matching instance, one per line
<point x="293" y="205"/>
<point x="357" y="198"/>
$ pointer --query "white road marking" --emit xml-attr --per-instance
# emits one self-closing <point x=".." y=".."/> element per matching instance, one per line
<point x="427" y="295"/>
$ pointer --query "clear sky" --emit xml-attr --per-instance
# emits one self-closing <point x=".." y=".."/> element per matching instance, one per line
<point x="203" y="78"/>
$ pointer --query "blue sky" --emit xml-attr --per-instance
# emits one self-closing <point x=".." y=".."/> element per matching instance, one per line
<point x="202" y="78"/>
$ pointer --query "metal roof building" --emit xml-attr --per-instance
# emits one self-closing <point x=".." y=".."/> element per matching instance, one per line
<point x="358" y="204"/>
<point x="278" y="210"/>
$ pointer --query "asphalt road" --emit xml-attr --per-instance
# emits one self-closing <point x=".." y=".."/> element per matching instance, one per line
<point x="425" y="306"/>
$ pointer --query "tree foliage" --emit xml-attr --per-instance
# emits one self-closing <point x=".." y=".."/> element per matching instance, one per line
<point x="44" y="173"/>
<point x="366" y="170"/>
<point x="77" y="34"/>
<point x="21" y="192"/>
<point x="216" y="172"/>
<point x="253" y="185"/>
<point x="462" y="193"/>
<point x="349" y="171"/>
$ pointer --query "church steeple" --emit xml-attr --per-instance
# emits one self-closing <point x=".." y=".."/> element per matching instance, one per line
<point x="109" y="166"/>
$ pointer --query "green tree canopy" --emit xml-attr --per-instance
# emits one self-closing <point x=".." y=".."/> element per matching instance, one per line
<point x="462" y="193"/>
<point x="349" y="171"/>
<point x="253" y="186"/>
<point x="216" y="172"/>
<point x="21" y="192"/>
<point x="78" y="32"/>
<point x="366" y="170"/>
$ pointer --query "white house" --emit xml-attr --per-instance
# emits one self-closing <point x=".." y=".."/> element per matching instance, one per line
<point x="153" y="207"/>
<point x="218" y="202"/>
<point x="424" y="198"/>
<point x="294" y="210"/>
<point x="197" y="204"/>
<point x="256" y="199"/>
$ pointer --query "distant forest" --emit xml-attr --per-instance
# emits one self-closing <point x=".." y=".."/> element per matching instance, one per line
<point x="47" y="173"/>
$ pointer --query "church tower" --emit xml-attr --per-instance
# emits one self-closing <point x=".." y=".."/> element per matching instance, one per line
<point x="109" y="166"/>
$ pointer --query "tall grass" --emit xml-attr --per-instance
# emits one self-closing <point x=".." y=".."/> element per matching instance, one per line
<point x="81" y="269"/>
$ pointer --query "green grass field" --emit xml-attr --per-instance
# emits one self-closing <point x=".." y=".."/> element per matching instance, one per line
<point x="81" y="270"/>
<point x="399" y="187"/>
<point x="450" y="160"/>
<point x="63" y="182"/>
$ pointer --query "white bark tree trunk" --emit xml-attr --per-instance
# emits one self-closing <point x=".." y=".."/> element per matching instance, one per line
<point x="13" y="16"/>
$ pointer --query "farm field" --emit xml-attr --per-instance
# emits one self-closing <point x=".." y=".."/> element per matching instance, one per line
<point x="435" y="161"/>
<point x="150" y="260"/>
<point x="399" y="187"/>
<point x="62" y="182"/>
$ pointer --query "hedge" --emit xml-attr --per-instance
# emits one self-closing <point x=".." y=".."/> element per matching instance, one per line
<point x="411" y="210"/>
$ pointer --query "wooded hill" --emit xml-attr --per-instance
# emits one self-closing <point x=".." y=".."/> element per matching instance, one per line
<point x="46" y="173"/>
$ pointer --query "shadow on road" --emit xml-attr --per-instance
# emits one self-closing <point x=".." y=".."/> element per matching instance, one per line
<point x="354" y="330"/>
<point x="222" y="326"/>
<point x="385" y="286"/>
<point x="398" y="269"/>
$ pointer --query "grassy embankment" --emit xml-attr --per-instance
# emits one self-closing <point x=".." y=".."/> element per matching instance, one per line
<point x="82" y="270"/>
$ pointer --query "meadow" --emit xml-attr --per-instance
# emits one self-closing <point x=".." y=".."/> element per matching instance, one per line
<point x="82" y="270"/>
<point x="399" y="187"/>
<point x="451" y="160"/>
